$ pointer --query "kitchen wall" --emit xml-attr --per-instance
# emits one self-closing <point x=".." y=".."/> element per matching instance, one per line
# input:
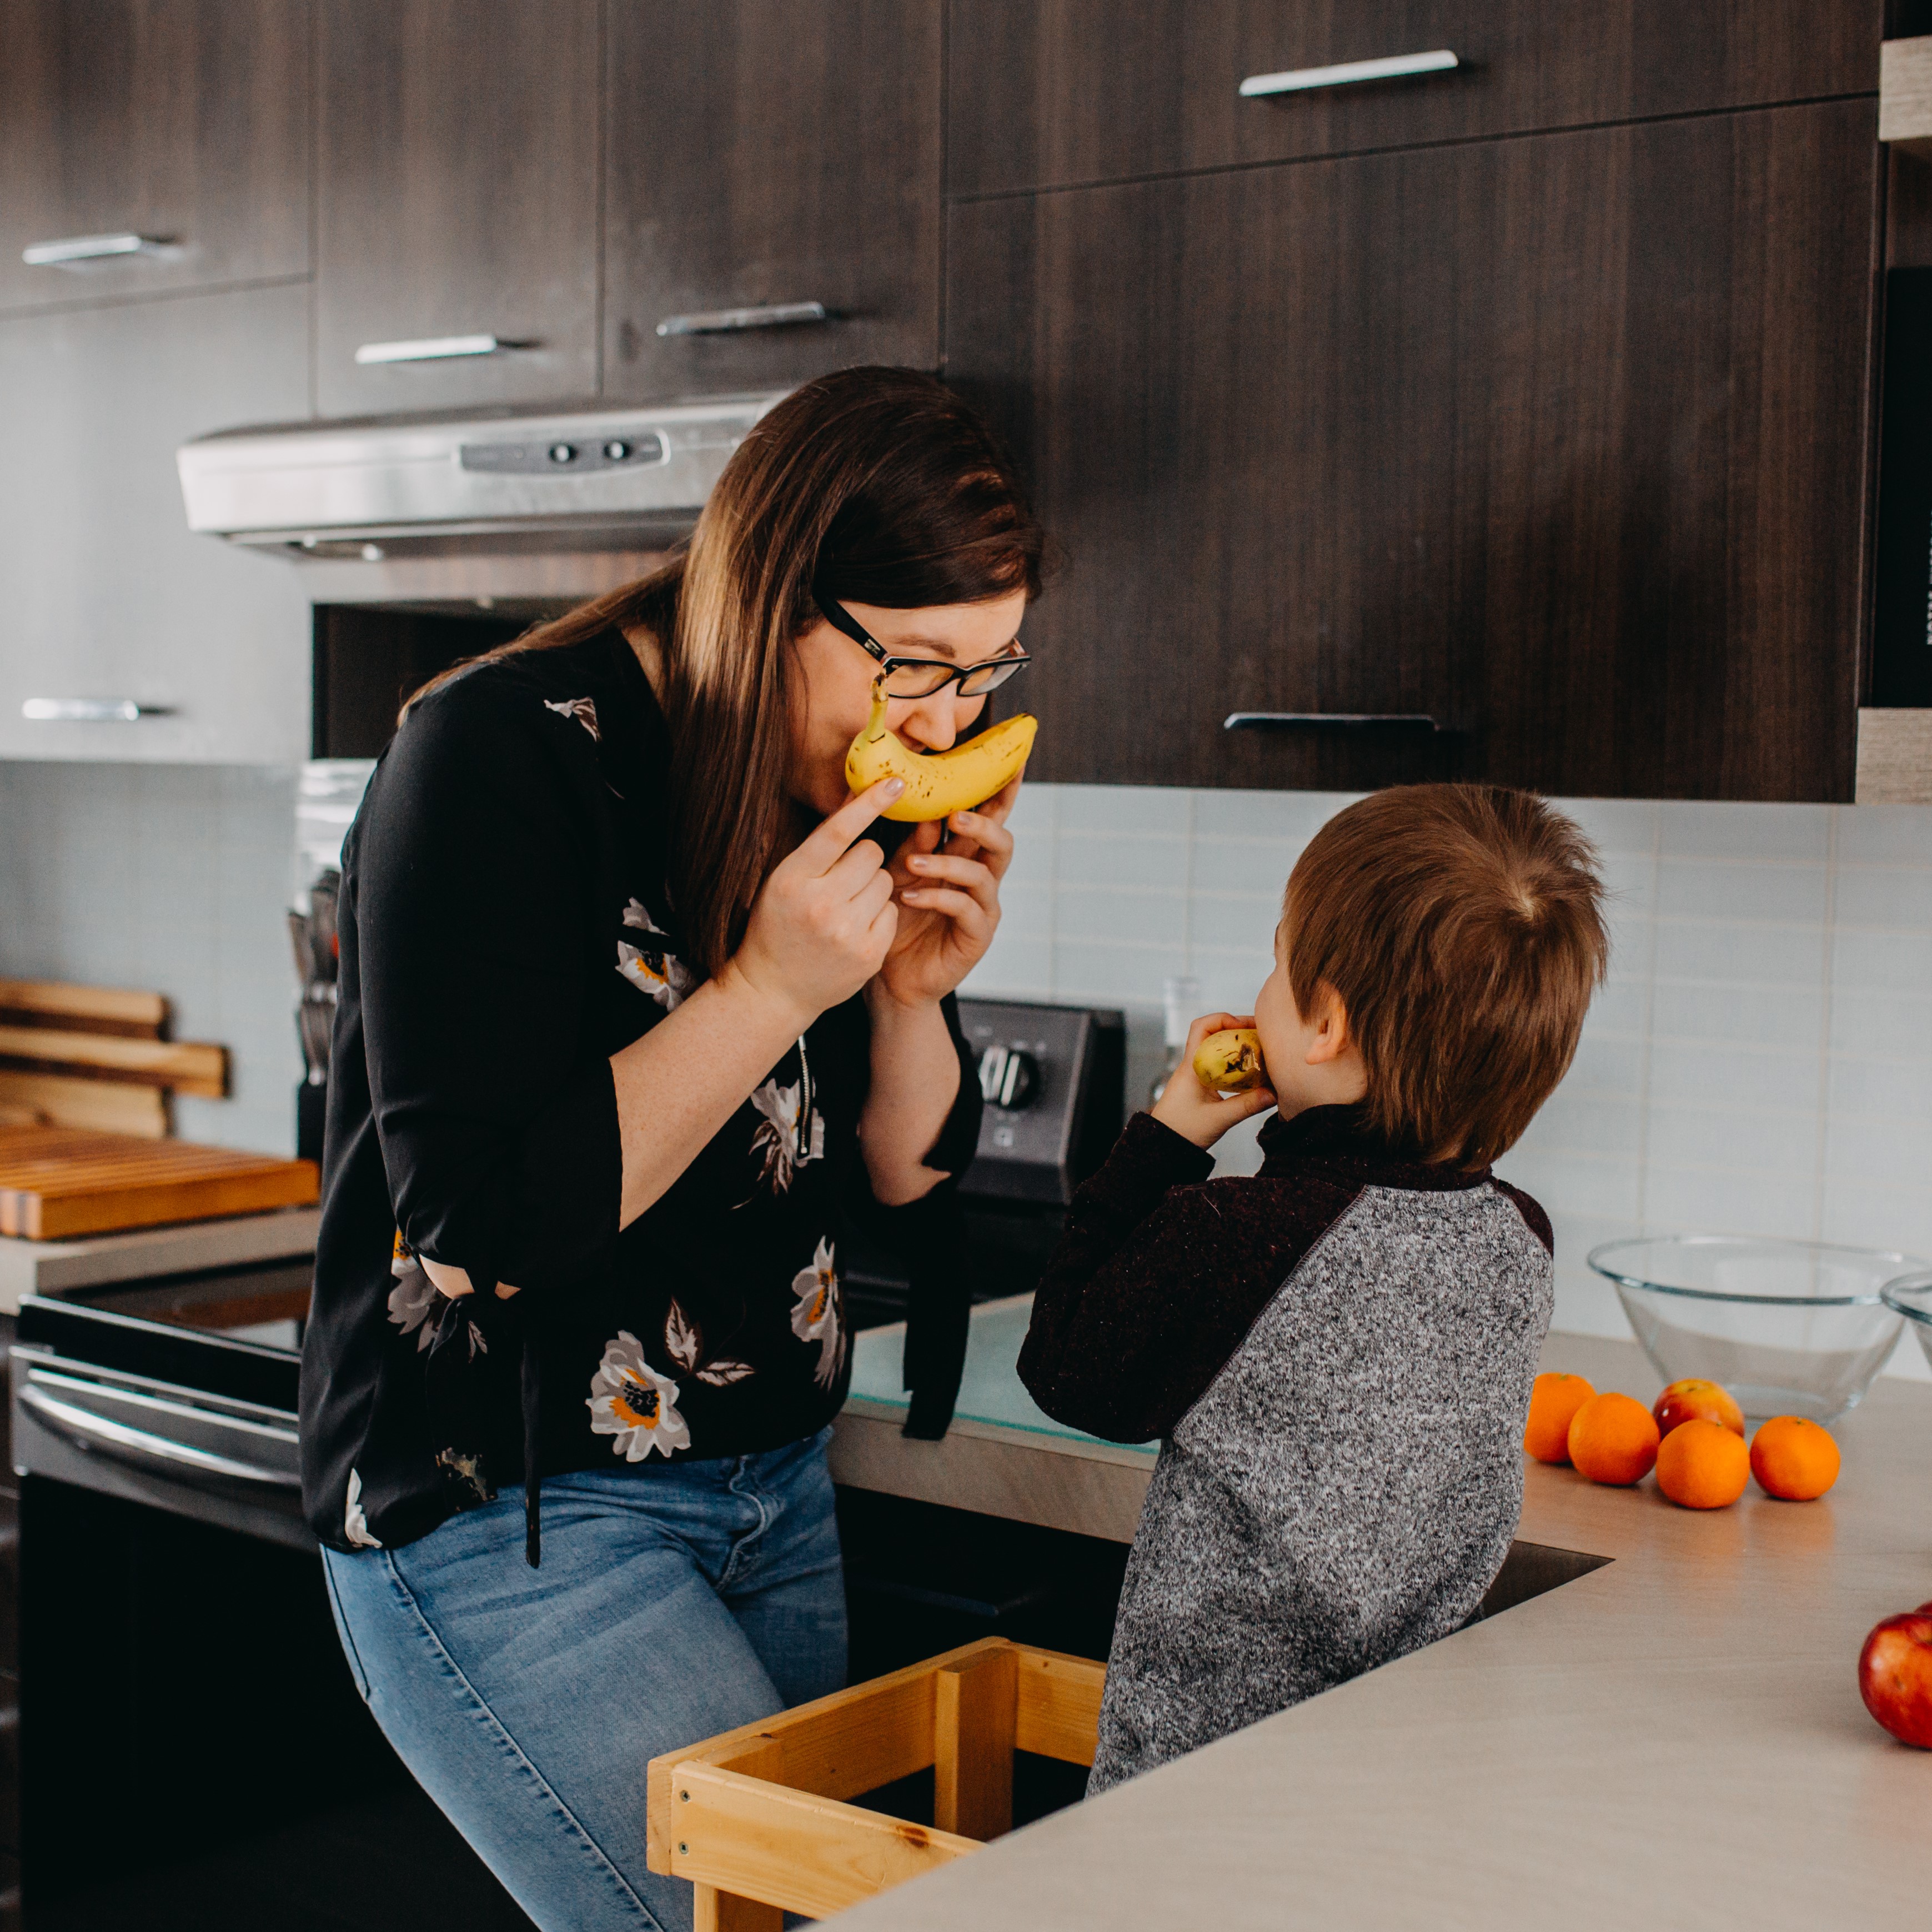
<point x="1759" y="1062"/>
<point x="173" y="877"/>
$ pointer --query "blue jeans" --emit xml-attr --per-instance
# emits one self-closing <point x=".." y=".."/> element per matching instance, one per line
<point x="673" y="1604"/>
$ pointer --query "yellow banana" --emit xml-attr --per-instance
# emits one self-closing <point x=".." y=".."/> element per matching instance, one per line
<point x="1230" y="1061"/>
<point x="937" y="783"/>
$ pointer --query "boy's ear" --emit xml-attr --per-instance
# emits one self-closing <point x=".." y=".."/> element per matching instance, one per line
<point x="1330" y="1023"/>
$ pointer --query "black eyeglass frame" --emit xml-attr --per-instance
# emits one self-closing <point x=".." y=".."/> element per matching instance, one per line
<point x="1005" y="665"/>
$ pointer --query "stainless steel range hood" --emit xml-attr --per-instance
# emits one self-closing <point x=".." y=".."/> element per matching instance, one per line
<point x="614" y="479"/>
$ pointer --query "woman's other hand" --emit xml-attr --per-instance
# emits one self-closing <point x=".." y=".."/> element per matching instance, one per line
<point x="1197" y="1113"/>
<point x="822" y="922"/>
<point x="949" y="901"/>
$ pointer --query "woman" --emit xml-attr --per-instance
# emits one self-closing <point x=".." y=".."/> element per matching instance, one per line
<point x="633" y="1018"/>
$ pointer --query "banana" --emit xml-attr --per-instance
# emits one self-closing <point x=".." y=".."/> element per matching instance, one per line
<point x="1230" y="1061"/>
<point x="937" y="783"/>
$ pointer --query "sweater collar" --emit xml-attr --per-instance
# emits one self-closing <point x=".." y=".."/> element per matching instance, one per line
<point x="1343" y="1134"/>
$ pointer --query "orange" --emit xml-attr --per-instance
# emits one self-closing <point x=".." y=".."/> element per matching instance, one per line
<point x="1553" y="1400"/>
<point x="1794" y="1458"/>
<point x="1701" y="1465"/>
<point x="1613" y="1439"/>
<point x="1695" y="1399"/>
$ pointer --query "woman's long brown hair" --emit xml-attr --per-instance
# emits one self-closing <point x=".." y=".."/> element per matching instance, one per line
<point x="879" y="485"/>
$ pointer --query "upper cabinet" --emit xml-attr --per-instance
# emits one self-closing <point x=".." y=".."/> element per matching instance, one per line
<point x="1546" y="457"/>
<point x="1047" y="93"/>
<point x="772" y="191"/>
<point x="457" y="199"/>
<point x="112" y="601"/>
<point x="148" y="148"/>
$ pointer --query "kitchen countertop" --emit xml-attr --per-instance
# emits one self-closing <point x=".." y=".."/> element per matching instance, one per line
<point x="1674" y="1739"/>
<point x="42" y="1267"/>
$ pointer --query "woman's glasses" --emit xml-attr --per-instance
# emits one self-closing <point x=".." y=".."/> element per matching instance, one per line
<point x="923" y="677"/>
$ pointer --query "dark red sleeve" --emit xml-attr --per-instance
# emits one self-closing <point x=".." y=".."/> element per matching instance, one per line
<point x="1159" y="1277"/>
<point x="1531" y="1209"/>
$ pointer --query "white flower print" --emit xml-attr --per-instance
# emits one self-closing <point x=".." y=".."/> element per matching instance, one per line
<point x="684" y="1342"/>
<point x="776" y="1137"/>
<point x="354" y="1524"/>
<point x="411" y="1302"/>
<point x="815" y="1319"/>
<point x="583" y="709"/>
<point x="650" y="969"/>
<point x="630" y="1401"/>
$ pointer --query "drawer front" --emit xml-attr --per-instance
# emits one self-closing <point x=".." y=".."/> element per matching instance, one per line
<point x="1047" y="93"/>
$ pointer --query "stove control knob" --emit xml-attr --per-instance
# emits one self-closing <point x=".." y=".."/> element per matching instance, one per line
<point x="1009" y="1077"/>
<point x="562" y="452"/>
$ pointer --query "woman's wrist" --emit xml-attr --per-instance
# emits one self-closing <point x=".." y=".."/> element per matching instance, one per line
<point x="747" y="992"/>
<point x="888" y="1008"/>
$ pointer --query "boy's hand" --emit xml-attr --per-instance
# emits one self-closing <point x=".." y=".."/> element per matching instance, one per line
<point x="1197" y="1113"/>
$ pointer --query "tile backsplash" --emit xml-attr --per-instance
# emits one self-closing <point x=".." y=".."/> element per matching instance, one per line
<point x="174" y="878"/>
<point x="1760" y="1061"/>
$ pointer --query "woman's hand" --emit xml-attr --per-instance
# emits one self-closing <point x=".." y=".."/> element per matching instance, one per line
<point x="1197" y="1113"/>
<point x="949" y="901"/>
<point x="821" y="924"/>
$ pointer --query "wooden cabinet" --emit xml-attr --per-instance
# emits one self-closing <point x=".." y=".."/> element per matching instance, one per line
<point x="456" y="196"/>
<point x="108" y="593"/>
<point x="1052" y="92"/>
<point x="1560" y="441"/>
<point x="794" y="159"/>
<point x="187" y="123"/>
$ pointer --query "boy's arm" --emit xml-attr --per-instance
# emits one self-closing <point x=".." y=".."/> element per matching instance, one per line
<point x="1159" y="1277"/>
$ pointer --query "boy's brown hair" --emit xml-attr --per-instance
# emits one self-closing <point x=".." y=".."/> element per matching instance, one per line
<point x="1462" y="927"/>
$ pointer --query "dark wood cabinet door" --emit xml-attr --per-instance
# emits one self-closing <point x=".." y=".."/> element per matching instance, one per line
<point x="1047" y="92"/>
<point x="457" y="197"/>
<point x="795" y="159"/>
<point x="1559" y="440"/>
<point x="187" y="123"/>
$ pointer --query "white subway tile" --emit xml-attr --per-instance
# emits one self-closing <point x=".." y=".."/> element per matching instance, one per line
<point x="1122" y="810"/>
<point x="1222" y="919"/>
<point x="1606" y="1065"/>
<point x="1709" y="830"/>
<point x="1789" y="1017"/>
<point x="1740" y="954"/>
<point x="1888" y="1089"/>
<point x="1136" y="859"/>
<point x="1881" y="962"/>
<point x="1016" y="967"/>
<point x="1860" y="1213"/>
<point x="1026" y="909"/>
<point x="1791" y="895"/>
<point x="1890" y="898"/>
<point x="1614" y="825"/>
<point x="1260" y="867"/>
<point x="1571" y="1121"/>
<point x="1882" y="1026"/>
<point x="1885" y="834"/>
<point x="1712" y="1200"/>
<point x="1229" y="981"/>
<point x="1619" y="1007"/>
<point x="1769" y="1140"/>
<point x="1114" y="914"/>
<point x="1292" y="816"/>
<point x="1036" y="812"/>
<point x="1890" y="1153"/>
<point x="1093" y="970"/>
<point x="1689" y="1074"/>
<point x="1579" y="1184"/>
<point x="1908" y="1360"/>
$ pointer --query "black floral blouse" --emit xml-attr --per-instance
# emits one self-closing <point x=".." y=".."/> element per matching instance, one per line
<point x="505" y="929"/>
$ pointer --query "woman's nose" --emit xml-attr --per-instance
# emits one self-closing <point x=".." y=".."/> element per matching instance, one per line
<point x="933" y="723"/>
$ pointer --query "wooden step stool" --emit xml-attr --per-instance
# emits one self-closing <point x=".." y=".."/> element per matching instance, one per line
<point x="756" y="1818"/>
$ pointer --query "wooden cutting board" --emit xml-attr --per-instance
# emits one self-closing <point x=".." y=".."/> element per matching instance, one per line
<point x="58" y="1182"/>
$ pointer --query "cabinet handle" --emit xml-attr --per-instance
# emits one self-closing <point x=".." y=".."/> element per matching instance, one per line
<point x="91" y="711"/>
<point x="729" y="321"/>
<point x="72" y="251"/>
<point x="1298" y="80"/>
<point x="1236" y="721"/>
<point x="437" y="348"/>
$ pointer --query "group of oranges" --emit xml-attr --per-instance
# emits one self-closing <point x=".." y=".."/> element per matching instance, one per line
<point x="1693" y="1435"/>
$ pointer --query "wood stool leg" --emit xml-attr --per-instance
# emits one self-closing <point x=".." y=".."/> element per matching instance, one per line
<point x="715" y="1911"/>
<point x="975" y="1705"/>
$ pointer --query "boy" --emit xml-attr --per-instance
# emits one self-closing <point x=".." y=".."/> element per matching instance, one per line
<point x="1336" y="1353"/>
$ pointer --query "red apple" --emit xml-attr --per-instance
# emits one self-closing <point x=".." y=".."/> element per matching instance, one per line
<point x="1895" y="1675"/>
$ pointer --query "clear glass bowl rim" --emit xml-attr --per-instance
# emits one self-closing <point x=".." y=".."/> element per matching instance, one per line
<point x="1896" y="1294"/>
<point x="1911" y="1267"/>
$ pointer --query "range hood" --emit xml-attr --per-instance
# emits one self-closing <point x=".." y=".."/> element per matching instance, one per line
<point x="614" y="479"/>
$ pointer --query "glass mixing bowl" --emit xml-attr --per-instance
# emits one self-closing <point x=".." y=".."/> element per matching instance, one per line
<point x="1789" y="1327"/>
<point x="1911" y="1294"/>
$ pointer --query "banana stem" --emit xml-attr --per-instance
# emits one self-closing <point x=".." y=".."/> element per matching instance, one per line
<point x="875" y="725"/>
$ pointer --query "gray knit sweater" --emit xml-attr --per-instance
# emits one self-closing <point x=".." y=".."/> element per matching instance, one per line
<point x="1338" y="1353"/>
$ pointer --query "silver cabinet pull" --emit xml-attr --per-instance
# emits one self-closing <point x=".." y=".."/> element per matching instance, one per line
<point x="124" y="1443"/>
<point x="73" y="251"/>
<point x="437" y="348"/>
<point x="1298" y="80"/>
<point x="1236" y="721"/>
<point x="91" y="711"/>
<point x="729" y="321"/>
